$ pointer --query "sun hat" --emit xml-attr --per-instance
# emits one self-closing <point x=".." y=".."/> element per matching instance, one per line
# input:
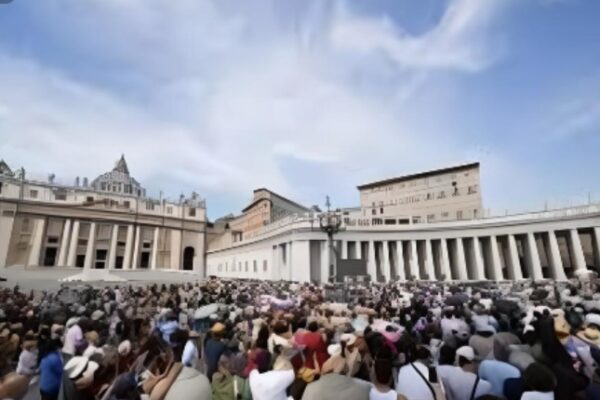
<point x="75" y="366"/>
<point x="217" y="328"/>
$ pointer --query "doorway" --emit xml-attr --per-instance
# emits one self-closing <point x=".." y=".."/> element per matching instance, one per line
<point x="188" y="258"/>
<point x="50" y="256"/>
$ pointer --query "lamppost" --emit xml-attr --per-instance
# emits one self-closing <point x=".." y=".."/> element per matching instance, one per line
<point x="330" y="223"/>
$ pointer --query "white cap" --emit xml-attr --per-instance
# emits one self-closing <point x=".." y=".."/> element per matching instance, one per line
<point x="466" y="352"/>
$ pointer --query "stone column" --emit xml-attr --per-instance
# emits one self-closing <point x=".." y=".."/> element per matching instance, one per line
<point x="496" y="263"/>
<point x="478" y="259"/>
<point x="64" y="244"/>
<point x="414" y="260"/>
<point x="596" y="245"/>
<point x="128" y="246"/>
<point x="461" y="262"/>
<point x="37" y="241"/>
<point x="136" y="248"/>
<point x="577" y="251"/>
<point x="7" y="219"/>
<point x="72" y="258"/>
<point x="344" y="244"/>
<point x="371" y="265"/>
<point x="429" y="267"/>
<point x="154" y="254"/>
<point x="514" y="263"/>
<point x="112" y="253"/>
<point x="358" y="247"/>
<point x="385" y="261"/>
<point x="176" y="249"/>
<point x="400" y="261"/>
<point x="324" y="261"/>
<point x="558" y="269"/>
<point x="445" y="260"/>
<point x="535" y="271"/>
<point x="91" y="244"/>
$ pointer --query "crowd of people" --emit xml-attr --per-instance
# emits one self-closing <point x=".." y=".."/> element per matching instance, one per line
<point x="242" y="339"/>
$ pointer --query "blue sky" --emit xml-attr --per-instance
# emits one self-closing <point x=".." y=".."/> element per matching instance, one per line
<point x="306" y="97"/>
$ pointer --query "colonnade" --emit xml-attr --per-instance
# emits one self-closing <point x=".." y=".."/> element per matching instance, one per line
<point x="68" y="248"/>
<point x="485" y="257"/>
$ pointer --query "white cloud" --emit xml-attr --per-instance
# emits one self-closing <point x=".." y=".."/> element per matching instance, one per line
<point x="458" y="42"/>
<point x="217" y="95"/>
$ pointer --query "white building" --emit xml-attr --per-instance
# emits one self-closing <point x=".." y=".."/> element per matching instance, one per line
<point x="108" y="224"/>
<point x="552" y="244"/>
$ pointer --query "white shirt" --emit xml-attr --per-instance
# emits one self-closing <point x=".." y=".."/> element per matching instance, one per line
<point x="411" y="385"/>
<point x="189" y="357"/>
<point x="73" y="337"/>
<point x="270" y="385"/>
<point x="537" y="396"/>
<point x="27" y="362"/>
<point x="459" y="384"/>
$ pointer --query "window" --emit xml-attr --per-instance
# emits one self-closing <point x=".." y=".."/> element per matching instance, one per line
<point x="127" y="204"/>
<point x="404" y="221"/>
<point x="445" y="214"/>
<point x="220" y="267"/>
<point x="390" y="222"/>
<point x="455" y="193"/>
<point x="430" y="217"/>
<point x="52" y="239"/>
<point x="60" y="195"/>
<point x="149" y="205"/>
<point x="239" y="266"/>
<point x="428" y="196"/>
<point x="169" y="210"/>
<point x="475" y="213"/>
<point x="416" y="220"/>
<point x="265" y="266"/>
<point x="33" y="194"/>
<point x="374" y="211"/>
<point x="246" y="266"/>
<point x="473" y="189"/>
<point x="381" y="210"/>
<point x="0" y="187"/>
<point x="103" y="186"/>
<point x="459" y="214"/>
<point x="226" y="267"/>
<point x="442" y="195"/>
<point x="192" y="212"/>
<point x="89" y="199"/>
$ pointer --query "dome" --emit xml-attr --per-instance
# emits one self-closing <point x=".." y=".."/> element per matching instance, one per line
<point x="119" y="181"/>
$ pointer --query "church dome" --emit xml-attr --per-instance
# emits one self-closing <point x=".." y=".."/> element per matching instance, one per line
<point x="119" y="181"/>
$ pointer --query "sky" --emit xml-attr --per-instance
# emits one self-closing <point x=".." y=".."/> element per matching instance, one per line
<point x="305" y="97"/>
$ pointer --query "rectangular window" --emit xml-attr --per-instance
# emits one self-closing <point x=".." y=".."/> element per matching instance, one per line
<point x="430" y="217"/>
<point x="240" y="266"/>
<point x="169" y="210"/>
<point x="192" y="212"/>
<point x="416" y="220"/>
<point x="475" y="213"/>
<point x="103" y="186"/>
<point x="459" y="214"/>
<point x="149" y="205"/>
<point x="381" y="210"/>
<point x="62" y="195"/>
<point x="89" y="199"/>
<point x="52" y="239"/>
<point x="374" y="211"/>
<point x="0" y="187"/>
<point x="33" y="194"/>
<point x="445" y="215"/>
<point x="246" y="266"/>
<point x="265" y="266"/>
<point x="127" y="204"/>
<point x="390" y="222"/>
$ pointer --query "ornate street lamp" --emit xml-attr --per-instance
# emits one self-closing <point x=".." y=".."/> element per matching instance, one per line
<point x="330" y="223"/>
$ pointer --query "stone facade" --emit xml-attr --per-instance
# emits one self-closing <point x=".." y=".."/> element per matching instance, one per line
<point x="110" y="224"/>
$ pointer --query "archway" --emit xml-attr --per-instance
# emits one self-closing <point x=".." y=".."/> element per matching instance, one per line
<point x="188" y="258"/>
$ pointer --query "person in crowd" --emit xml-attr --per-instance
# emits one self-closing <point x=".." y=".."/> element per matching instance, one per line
<point x="274" y="340"/>
<point x="51" y="369"/>
<point x="461" y="381"/>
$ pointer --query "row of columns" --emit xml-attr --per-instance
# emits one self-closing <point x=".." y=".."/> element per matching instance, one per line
<point x="67" y="252"/>
<point x="475" y="268"/>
